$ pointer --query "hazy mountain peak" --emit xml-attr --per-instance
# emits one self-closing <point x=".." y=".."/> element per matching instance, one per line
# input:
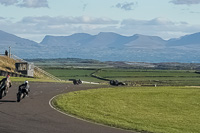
<point x="186" y="40"/>
<point x="80" y="36"/>
<point x="10" y="38"/>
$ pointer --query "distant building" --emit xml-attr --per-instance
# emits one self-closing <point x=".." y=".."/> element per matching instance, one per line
<point x="25" y="68"/>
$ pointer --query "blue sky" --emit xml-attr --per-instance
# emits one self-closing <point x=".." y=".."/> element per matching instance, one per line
<point x="33" y="19"/>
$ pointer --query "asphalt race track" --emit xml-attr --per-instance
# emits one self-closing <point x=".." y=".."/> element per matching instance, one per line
<point x="34" y="115"/>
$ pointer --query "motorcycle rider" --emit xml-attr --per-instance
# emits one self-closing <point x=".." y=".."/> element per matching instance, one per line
<point x="6" y="82"/>
<point x="25" y="86"/>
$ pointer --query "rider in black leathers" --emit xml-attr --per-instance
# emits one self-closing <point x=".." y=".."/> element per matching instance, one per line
<point x="25" y="86"/>
<point x="6" y="82"/>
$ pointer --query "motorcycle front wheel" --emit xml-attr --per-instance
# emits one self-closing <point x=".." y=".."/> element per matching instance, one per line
<point x="19" y="96"/>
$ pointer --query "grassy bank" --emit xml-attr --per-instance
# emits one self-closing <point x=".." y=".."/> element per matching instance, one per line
<point x="161" y="109"/>
<point x="7" y="64"/>
<point x="22" y="79"/>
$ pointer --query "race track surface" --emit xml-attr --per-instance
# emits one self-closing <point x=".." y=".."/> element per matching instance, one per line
<point x="34" y="115"/>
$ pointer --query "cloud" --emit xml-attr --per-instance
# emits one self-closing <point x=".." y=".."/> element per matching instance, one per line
<point x="25" y="3"/>
<point x="2" y="18"/>
<point x="8" y="2"/>
<point x="159" y="21"/>
<point x="125" y="6"/>
<point x="35" y="28"/>
<point x="153" y="22"/>
<point x="34" y="3"/>
<point x="68" y="20"/>
<point x="185" y="2"/>
<point x="158" y="27"/>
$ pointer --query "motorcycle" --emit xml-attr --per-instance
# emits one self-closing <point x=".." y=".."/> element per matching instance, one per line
<point x="2" y="91"/>
<point x="77" y="82"/>
<point x="21" y="94"/>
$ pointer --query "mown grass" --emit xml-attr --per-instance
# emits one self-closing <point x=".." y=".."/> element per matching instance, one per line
<point x="153" y="109"/>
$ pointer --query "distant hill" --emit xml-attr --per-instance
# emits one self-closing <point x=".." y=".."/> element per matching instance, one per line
<point x="6" y="38"/>
<point x="103" y="39"/>
<point x="64" y="40"/>
<point x="20" y="46"/>
<point x="142" y="41"/>
<point x="107" y="46"/>
<point x="193" y="39"/>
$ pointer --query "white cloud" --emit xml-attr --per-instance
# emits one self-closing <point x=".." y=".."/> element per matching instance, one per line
<point x="158" y="27"/>
<point x="35" y="28"/>
<point x="160" y="21"/>
<point x="25" y="3"/>
<point x="34" y="3"/>
<point x="154" y="22"/>
<point x="68" y="20"/>
<point x="55" y="26"/>
<point x="185" y="2"/>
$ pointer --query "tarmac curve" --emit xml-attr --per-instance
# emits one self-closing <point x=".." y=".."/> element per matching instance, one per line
<point x="34" y="114"/>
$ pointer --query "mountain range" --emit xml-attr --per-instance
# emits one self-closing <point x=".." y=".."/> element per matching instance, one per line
<point x="106" y="46"/>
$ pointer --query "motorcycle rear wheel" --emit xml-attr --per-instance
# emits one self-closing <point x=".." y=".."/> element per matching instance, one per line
<point x="2" y="94"/>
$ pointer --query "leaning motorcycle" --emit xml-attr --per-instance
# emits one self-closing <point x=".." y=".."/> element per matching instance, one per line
<point x="2" y="91"/>
<point x="21" y="94"/>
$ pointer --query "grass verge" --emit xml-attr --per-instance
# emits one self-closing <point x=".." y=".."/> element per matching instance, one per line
<point x="152" y="109"/>
<point x="22" y="79"/>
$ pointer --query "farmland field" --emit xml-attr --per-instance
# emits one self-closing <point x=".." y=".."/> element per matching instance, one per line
<point x="131" y="76"/>
<point x="66" y="74"/>
<point x="150" y="77"/>
<point x="132" y="73"/>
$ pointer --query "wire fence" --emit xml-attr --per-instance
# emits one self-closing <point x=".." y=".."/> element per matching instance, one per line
<point x="47" y="74"/>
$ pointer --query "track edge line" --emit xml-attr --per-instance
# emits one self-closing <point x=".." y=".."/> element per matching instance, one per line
<point x="50" y="101"/>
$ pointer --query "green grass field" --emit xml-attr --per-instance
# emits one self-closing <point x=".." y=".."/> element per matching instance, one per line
<point x="132" y="76"/>
<point x="153" y="109"/>
<point x="66" y="74"/>
<point x="151" y="77"/>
